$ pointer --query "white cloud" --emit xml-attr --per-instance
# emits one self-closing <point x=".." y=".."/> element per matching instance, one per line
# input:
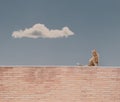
<point x="41" y="31"/>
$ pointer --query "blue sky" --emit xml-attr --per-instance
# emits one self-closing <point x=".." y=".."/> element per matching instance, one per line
<point x="74" y="28"/>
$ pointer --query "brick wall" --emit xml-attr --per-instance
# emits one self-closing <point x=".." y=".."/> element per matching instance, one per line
<point x="59" y="84"/>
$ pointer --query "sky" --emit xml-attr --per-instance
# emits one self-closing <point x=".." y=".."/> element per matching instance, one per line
<point x="59" y="32"/>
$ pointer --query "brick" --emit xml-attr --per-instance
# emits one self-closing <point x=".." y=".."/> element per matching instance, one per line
<point x="59" y="84"/>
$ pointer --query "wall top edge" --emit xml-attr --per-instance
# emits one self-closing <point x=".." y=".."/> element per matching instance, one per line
<point x="60" y="66"/>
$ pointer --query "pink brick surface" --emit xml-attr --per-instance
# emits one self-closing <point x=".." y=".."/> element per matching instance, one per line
<point x="59" y="84"/>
